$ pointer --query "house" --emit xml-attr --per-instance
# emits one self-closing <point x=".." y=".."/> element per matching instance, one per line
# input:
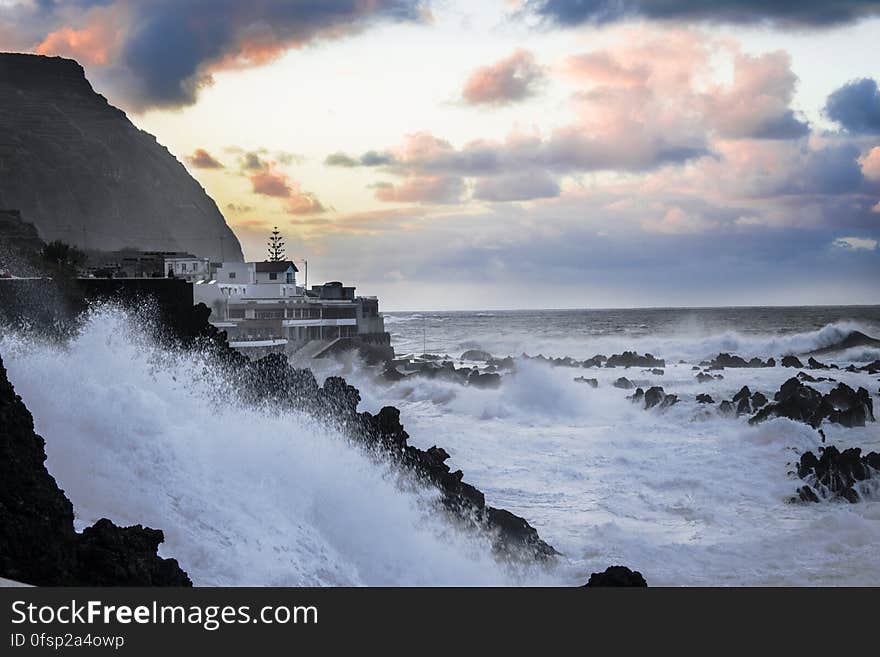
<point x="189" y="267"/>
<point x="259" y="304"/>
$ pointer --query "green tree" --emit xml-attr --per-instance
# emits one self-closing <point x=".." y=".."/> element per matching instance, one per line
<point x="276" y="246"/>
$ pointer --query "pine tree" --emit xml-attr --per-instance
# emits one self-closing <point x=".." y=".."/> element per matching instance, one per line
<point x="276" y="246"/>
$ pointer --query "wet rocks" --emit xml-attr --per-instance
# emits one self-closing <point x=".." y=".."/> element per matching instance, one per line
<point x="795" y="401"/>
<point x="744" y="393"/>
<point x="512" y="536"/>
<point x="593" y="383"/>
<point x="835" y="474"/>
<point x="655" y="396"/>
<point x="632" y="359"/>
<point x="637" y="396"/>
<point x="851" y="408"/>
<point x="617" y="576"/>
<point x="38" y="544"/>
<point x="623" y="383"/>
<point x="800" y="402"/>
<point x="703" y="377"/>
<point x="759" y="399"/>
<point x="703" y="398"/>
<point x="792" y="361"/>
<point x="814" y="364"/>
<point x="723" y="360"/>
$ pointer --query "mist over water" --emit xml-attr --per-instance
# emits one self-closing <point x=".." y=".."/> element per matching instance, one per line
<point x="253" y="496"/>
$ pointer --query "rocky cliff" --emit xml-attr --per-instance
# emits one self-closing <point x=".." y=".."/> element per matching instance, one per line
<point x="77" y="168"/>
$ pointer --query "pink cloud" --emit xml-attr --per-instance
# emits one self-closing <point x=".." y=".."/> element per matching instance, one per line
<point x="871" y="164"/>
<point x="422" y="189"/>
<point x="268" y="181"/>
<point x="95" y="43"/>
<point x="202" y="159"/>
<point x="510" y="79"/>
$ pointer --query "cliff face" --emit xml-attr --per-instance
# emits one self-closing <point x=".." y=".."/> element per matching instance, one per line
<point x="77" y="168"/>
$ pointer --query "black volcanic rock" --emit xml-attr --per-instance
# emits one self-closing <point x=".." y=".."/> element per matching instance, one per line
<point x="835" y="474"/>
<point x="78" y="169"/>
<point x="759" y="399"/>
<point x="744" y="393"/>
<point x="623" y="383"/>
<point x="814" y="364"/>
<point x="617" y="576"/>
<point x="38" y="544"/>
<point x="703" y="398"/>
<point x="800" y="402"/>
<point x="593" y="383"/>
<point x="632" y="359"/>
<point x="791" y="361"/>
<point x="654" y="396"/>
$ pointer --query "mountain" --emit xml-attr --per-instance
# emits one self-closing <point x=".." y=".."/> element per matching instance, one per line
<point x="81" y="172"/>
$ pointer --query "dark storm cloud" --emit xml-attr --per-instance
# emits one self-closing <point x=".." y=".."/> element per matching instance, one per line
<point x="164" y="51"/>
<point x="856" y="106"/>
<point x="803" y="13"/>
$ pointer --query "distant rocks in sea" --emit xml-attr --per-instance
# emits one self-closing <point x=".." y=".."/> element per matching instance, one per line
<point x="632" y="359"/>
<point x="723" y="360"/>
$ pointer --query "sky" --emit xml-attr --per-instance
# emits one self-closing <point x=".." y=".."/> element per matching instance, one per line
<point x="514" y="153"/>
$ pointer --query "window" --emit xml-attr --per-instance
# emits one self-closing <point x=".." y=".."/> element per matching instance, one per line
<point x="273" y="276"/>
<point x="232" y="274"/>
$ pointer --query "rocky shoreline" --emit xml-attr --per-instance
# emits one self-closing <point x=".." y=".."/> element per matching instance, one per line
<point x="831" y="476"/>
<point x="37" y="518"/>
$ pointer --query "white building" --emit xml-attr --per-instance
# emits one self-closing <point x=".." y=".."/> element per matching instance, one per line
<point x="250" y="273"/>
<point x="259" y="304"/>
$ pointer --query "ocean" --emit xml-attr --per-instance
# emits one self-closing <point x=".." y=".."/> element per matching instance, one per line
<point x="685" y="495"/>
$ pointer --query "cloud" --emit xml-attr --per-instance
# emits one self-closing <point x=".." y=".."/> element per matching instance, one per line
<point x="268" y="181"/>
<point x="368" y="159"/>
<point x="524" y="186"/>
<point x="676" y="221"/>
<point x="870" y="164"/>
<point x="639" y="106"/>
<point x="162" y="52"/>
<point x="202" y="159"/>
<point x="756" y="104"/>
<point x="856" y="243"/>
<point x="856" y="106"/>
<point x="422" y="189"/>
<point x="801" y="13"/>
<point x="506" y="81"/>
